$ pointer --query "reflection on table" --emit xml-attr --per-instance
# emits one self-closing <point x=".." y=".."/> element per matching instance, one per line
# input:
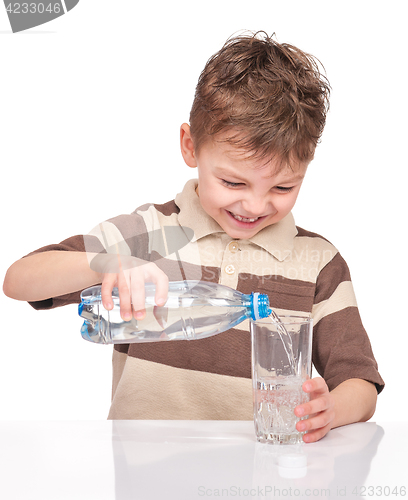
<point x="145" y="460"/>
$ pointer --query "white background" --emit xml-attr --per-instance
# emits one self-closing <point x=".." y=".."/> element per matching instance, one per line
<point x="91" y="105"/>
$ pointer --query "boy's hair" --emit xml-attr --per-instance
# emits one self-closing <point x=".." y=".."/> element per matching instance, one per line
<point x="268" y="99"/>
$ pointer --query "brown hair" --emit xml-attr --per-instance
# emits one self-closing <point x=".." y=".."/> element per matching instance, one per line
<point x="266" y="98"/>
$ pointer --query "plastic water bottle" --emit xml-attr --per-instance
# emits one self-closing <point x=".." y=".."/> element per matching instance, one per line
<point x="194" y="310"/>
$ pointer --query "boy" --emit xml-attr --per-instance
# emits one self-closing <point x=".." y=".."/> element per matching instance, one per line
<point x="258" y="113"/>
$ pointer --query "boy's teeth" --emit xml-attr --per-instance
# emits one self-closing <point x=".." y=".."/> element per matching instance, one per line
<point x="243" y="219"/>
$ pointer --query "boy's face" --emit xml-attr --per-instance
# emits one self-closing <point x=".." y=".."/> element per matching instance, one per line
<point x="242" y="194"/>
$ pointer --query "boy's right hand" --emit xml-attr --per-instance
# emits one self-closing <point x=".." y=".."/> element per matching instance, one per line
<point x="129" y="275"/>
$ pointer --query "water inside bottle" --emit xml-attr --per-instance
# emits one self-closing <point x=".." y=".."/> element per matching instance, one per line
<point x="181" y="318"/>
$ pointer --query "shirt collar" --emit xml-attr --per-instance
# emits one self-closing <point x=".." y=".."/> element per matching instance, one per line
<point x="192" y="214"/>
<point x="277" y="239"/>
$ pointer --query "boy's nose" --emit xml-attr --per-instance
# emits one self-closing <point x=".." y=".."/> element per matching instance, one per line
<point x="256" y="207"/>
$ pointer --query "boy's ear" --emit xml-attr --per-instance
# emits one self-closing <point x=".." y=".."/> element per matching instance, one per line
<point x="187" y="146"/>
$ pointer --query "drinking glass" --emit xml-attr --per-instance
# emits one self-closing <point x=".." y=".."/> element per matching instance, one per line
<point x="281" y="363"/>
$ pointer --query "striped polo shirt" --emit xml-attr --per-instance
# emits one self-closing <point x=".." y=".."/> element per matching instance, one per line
<point x="301" y="272"/>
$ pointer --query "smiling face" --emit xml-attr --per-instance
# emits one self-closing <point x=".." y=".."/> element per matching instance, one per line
<point x="242" y="194"/>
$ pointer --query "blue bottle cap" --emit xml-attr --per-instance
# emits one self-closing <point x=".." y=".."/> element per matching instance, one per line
<point x="260" y="306"/>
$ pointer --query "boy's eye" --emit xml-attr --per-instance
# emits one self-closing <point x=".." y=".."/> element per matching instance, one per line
<point x="231" y="184"/>
<point x="284" y="189"/>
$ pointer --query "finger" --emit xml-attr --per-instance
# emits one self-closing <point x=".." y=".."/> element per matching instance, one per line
<point x="138" y="294"/>
<point x="124" y="297"/>
<point x="108" y="282"/>
<point x="314" y="406"/>
<point x="152" y="273"/>
<point x="317" y="421"/>
<point x="315" y="435"/>
<point x="315" y="385"/>
<point x="162" y="288"/>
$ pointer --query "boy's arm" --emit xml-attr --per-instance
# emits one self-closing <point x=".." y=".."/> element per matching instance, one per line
<point x="342" y="355"/>
<point x="354" y="400"/>
<point x="49" y="274"/>
<point x="55" y="273"/>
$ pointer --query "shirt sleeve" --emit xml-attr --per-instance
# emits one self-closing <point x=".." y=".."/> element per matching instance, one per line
<point x="341" y="347"/>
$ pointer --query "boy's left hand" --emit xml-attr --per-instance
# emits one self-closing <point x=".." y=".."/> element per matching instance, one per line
<point x="320" y="409"/>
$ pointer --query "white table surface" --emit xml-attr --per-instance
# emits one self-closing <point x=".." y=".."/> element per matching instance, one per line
<point x="143" y="460"/>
